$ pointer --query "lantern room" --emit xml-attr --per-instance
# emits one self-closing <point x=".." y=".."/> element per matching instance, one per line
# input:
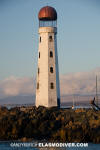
<point x="47" y="17"/>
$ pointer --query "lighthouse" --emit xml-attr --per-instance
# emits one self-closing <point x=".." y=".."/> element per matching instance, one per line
<point x="47" y="83"/>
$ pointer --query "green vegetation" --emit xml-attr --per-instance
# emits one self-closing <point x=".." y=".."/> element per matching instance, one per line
<point x="53" y="124"/>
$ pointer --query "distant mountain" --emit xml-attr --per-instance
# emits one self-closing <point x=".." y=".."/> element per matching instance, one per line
<point x="78" y="99"/>
<point x="18" y="100"/>
<point x="65" y="99"/>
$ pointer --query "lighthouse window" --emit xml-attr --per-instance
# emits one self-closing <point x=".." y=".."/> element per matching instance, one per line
<point x="39" y="54"/>
<point x="40" y="39"/>
<point x="51" y="69"/>
<point x="51" y="85"/>
<point x="37" y="85"/>
<point x="50" y="38"/>
<point x="51" y="54"/>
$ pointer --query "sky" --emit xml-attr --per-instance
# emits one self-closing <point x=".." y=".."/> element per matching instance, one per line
<point x="78" y="37"/>
<point x="81" y="83"/>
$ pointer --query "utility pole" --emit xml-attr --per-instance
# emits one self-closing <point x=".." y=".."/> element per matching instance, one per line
<point x="73" y="106"/>
<point x="96" y="91"/>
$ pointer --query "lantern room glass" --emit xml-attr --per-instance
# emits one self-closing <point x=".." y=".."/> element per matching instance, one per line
<point x="48" y="23"/>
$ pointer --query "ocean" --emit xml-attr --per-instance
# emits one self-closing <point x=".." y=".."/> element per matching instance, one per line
<point x="7" y="146"/>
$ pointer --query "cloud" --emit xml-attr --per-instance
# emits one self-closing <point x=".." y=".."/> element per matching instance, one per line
<point x="13" y="86"/>
<point x="80" y="82"/>
<point x="72" y="83"/>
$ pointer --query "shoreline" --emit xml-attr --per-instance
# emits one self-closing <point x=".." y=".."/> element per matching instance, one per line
<point x="51" y="124"/>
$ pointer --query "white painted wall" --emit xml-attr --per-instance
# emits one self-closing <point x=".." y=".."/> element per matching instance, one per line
<point x="45" y="96"/>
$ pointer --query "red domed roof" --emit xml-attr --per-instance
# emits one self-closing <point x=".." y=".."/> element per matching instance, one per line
<point x="47" y="13"/>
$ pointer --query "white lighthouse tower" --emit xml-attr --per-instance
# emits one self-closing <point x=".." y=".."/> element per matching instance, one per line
<point x="47" y="88"/>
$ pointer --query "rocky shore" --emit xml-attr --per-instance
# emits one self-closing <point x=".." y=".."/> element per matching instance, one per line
<point x="52" y="124"/>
